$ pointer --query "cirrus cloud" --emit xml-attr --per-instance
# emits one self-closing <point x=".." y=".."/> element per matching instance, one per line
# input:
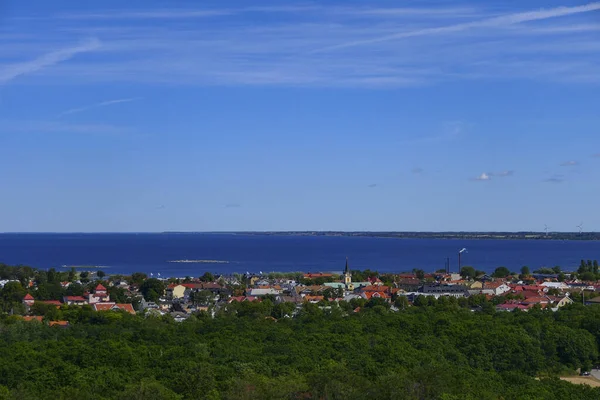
<point x="483" y="177"/>
<point x="556" y="178"/>
<point x="569" y="164"/>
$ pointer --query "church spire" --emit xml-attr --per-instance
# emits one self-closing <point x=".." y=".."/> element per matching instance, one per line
<point x="348" y="277"/>
<point x="346" y="271"/>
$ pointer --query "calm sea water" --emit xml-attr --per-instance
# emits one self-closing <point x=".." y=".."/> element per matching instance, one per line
<point x="127" y="253"/>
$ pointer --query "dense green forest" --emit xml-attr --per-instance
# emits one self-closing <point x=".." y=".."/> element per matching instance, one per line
<point x="436" y="351"/>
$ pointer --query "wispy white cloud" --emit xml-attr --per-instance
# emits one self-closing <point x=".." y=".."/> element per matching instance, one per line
<point x="407" y="11"/>
<point x="556" y="178"/>
<point x="233" y="50"/>
<point x="56" y="127"/>
<point x="449" y="131"/>
<point x="184" y="13"/>
<point x="12" y="71"/>
<point x="487" y="176"/>
<point x="97" y="105"/>
<point x="502" y="174"/>
<point x="569" y="164"/>
<point x="560" y="29"/>
<point x="153" y="14"/>
<point x="190" y="13"/>
<point x="505" y="20"/>
<point x="483" y="177"/>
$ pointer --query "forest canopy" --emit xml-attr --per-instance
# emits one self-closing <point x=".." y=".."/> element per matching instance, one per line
<point x="428" y="352"/>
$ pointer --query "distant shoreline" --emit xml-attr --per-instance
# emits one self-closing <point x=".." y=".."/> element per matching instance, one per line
<point x="591" y="236"/>
<point x="553" y="236"/>
<point x="199" y="261"/>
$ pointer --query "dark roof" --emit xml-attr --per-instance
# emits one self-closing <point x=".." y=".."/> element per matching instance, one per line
<point x="594" y="300"/>
<point x="444" y="289"/>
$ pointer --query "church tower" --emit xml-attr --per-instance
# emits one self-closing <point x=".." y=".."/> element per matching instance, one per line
<point x="348" y="277"/>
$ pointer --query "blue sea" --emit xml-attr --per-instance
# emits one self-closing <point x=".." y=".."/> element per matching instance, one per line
<point x="229" y="253"/>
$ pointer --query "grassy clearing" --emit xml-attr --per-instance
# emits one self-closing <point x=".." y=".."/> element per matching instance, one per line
<point x="582" y="380"/>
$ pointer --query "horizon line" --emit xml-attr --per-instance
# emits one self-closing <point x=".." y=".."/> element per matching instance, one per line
<point x="285" y="231"/>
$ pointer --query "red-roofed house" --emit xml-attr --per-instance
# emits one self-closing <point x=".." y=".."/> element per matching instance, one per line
<point x="52" y="303"/>
<point x="541" y="300"/>
<point x="497" y="288"/>
<point x="175" y="291"/>
<point x="244" y="298"/>
<point x="313" y="299"/>
<point x="126" y="307"/>
<point x="535" y="300"/>
<point x="374" y="288"/>
<point x="534" y="288"/>
<point x="528" y="293"/>
<point x="28" y="300"/>
<point x="111" y="306"/>
<point x="375" y="281"/>
<point x="74" y="300"/>
<point x="313" y="275"/>
<point x="62" y="324"/>
<point x="100" y="295"/>
<point x="377" y="295"/>
<point x="37" y="318"/>
<point x="192" y="286"/>
<point x="103" y="306"/>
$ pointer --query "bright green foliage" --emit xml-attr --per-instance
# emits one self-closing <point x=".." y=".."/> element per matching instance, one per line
<point x="11" y="295"/>
<point x="207" y="277"/>
<point x="118" y="294"/>
<point x="468" y="272"/>
<point x="138" y="278"/>
<point x="152" y="289"/>
<point x="501" y="272"/>
<point x="588" y="270"/>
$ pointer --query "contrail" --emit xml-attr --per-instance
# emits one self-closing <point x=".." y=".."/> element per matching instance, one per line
<point x="505" y="20"/>
<point x="97" y="105"/>
<point x="47" y="60"/>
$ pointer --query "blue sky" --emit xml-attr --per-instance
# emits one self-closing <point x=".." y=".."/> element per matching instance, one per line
<point x="342" y="115"/>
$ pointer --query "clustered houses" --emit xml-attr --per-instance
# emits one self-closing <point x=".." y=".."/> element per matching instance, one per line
<point x="514" y="295"/>
<point x="181" y="300"/>
<point x="511" y="295"/>
<point x="99" y="299"/>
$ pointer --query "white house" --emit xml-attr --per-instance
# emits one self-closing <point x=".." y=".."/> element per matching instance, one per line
<point x="99" y="295"/>
<point x="555" y="285"/>
<point x="503" y="288"/>
<point x="264" y="292"/>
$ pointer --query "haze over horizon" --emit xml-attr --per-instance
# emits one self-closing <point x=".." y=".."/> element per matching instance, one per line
<point x="310" y="116"/>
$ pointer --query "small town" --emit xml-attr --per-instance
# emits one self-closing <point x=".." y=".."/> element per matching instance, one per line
<point x="350" y="290"/>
